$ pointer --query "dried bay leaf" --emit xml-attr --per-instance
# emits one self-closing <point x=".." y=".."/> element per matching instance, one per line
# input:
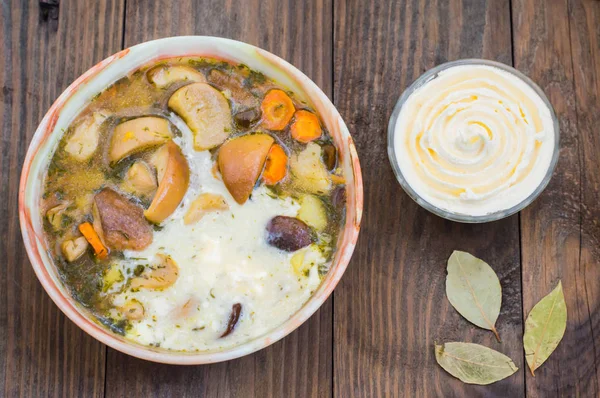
<point x="473" y="289"/>
<point x="474" y="363"/>
<point x="545" y="327"/>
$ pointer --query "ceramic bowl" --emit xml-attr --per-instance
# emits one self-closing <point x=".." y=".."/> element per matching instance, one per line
<point x="78" y="95"/>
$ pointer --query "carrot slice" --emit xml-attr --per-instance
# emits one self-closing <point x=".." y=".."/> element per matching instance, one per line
<point x="92" y="237"/>
<point x="277" y="110"/>
<point x="306" y="127"/>
<point x="275" y="166"/>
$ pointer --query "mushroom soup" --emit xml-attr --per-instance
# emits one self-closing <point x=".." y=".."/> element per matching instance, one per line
<point x="194" y="205"/>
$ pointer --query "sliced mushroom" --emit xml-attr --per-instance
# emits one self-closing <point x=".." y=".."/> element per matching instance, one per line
<point x="133" y="310"/>
<point x="72" y="249"/>
<point x="329" y="156"/>
<point x="122" y="222"/>
<point x="234" y="85"/>
<point x="140" y="179"/>
<point x="309" y="170"/>
<point x="241" y="160"/>
<point x="234" y="317"/>
<point x="165" y="75"/>
<point x="55" y="215"/>
<point x="172" y="186"/>
<point x="138" y="134"/>
<point x="203" y="204"/>
<point x="206" y="111"/>
<point x="84" y="141"/>
<point x="160" y="276"/>
<point x="187" y="309"/>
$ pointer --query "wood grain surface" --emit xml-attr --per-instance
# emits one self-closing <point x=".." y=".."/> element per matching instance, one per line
<point x="42" y="353"/>
<point x="375" y="336"/>
<point x="554" y="234"/>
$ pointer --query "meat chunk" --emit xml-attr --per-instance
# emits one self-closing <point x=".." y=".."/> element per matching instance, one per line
<point x="123" y="224"/>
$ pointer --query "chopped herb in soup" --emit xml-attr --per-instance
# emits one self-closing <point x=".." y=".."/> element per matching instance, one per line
<point x="194" y="205"/>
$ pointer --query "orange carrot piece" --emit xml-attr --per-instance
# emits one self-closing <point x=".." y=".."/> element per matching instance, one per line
<point x="92" y="237"/>
<point x="275" y="166"/>
<point x="306" y="127"/>
<point x="277" y="110"/>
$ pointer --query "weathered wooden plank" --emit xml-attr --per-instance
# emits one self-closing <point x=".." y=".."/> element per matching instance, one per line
<point x="301" y="364"/>
<point x="559" y="232"/>
<point x="42" y="353"/>
<point x="585" y="40"/>
<point x="390" y="306"/>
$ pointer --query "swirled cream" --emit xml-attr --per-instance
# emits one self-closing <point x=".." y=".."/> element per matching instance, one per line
<point x="474" y="140"/>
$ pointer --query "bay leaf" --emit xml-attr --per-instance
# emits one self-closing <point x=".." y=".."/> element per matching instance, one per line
<point x="473" y="289"/>
<point x="474" y="363"/>
<point x="545" y="327"/>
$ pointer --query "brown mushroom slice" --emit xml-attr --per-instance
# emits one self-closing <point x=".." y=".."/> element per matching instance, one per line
<point x="241" y="160"/>
<point x="309" y="170"/>
<point x="165" y="75"/>
<point x="234" y="85"/>
<point x="172" y="186"/>
<point x="138" y="134"/>
<point x="72" y="249"/>
<point x="84" y="141"/>
<point x="122" y="222"/>
<point x="234" y="317"/>
<point x="203" y="204"/>
<point x="206" y="112"/>
<point x="159" y="276"/>
<point x="140" y="179"/>
<point x="133" y="310"/>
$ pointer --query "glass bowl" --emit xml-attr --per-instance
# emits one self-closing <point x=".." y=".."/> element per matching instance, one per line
<point x="461" y="217"/>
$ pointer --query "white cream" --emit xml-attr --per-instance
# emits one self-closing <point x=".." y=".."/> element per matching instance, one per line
<point x="474" y="140"/>
<point x="223" y="259"/>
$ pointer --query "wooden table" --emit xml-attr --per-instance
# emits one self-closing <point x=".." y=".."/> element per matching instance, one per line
<point x="375" y="335"/>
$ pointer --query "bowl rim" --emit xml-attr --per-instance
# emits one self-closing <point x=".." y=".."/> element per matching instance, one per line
<point x="66" y="304"/>
<point x="431" y="74"/>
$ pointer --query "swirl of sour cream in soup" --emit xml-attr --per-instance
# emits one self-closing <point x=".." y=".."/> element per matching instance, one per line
<point x="474" y="140"/>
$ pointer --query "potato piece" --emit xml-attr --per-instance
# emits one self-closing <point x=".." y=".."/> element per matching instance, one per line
<point x="164" y="75"/>
<point x="206" y="111"/>
<point x="159" y="276"/>
<point x="133" y="310"/>
<point x="305" y="259"/>
<point x="140" y="179"/>
<point x="122" y="222"/>
<point x="112" y="276"/>
<point x="309" y="170"/>
<point x="138" y="134"/>
<point x="241" y="160"/>
<point x="205" y="203"/>
<point x="84" y="141"/>
<point x="312" y="211"/>
<point x="172" y="187"/>
<point x="72" y="249"/>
